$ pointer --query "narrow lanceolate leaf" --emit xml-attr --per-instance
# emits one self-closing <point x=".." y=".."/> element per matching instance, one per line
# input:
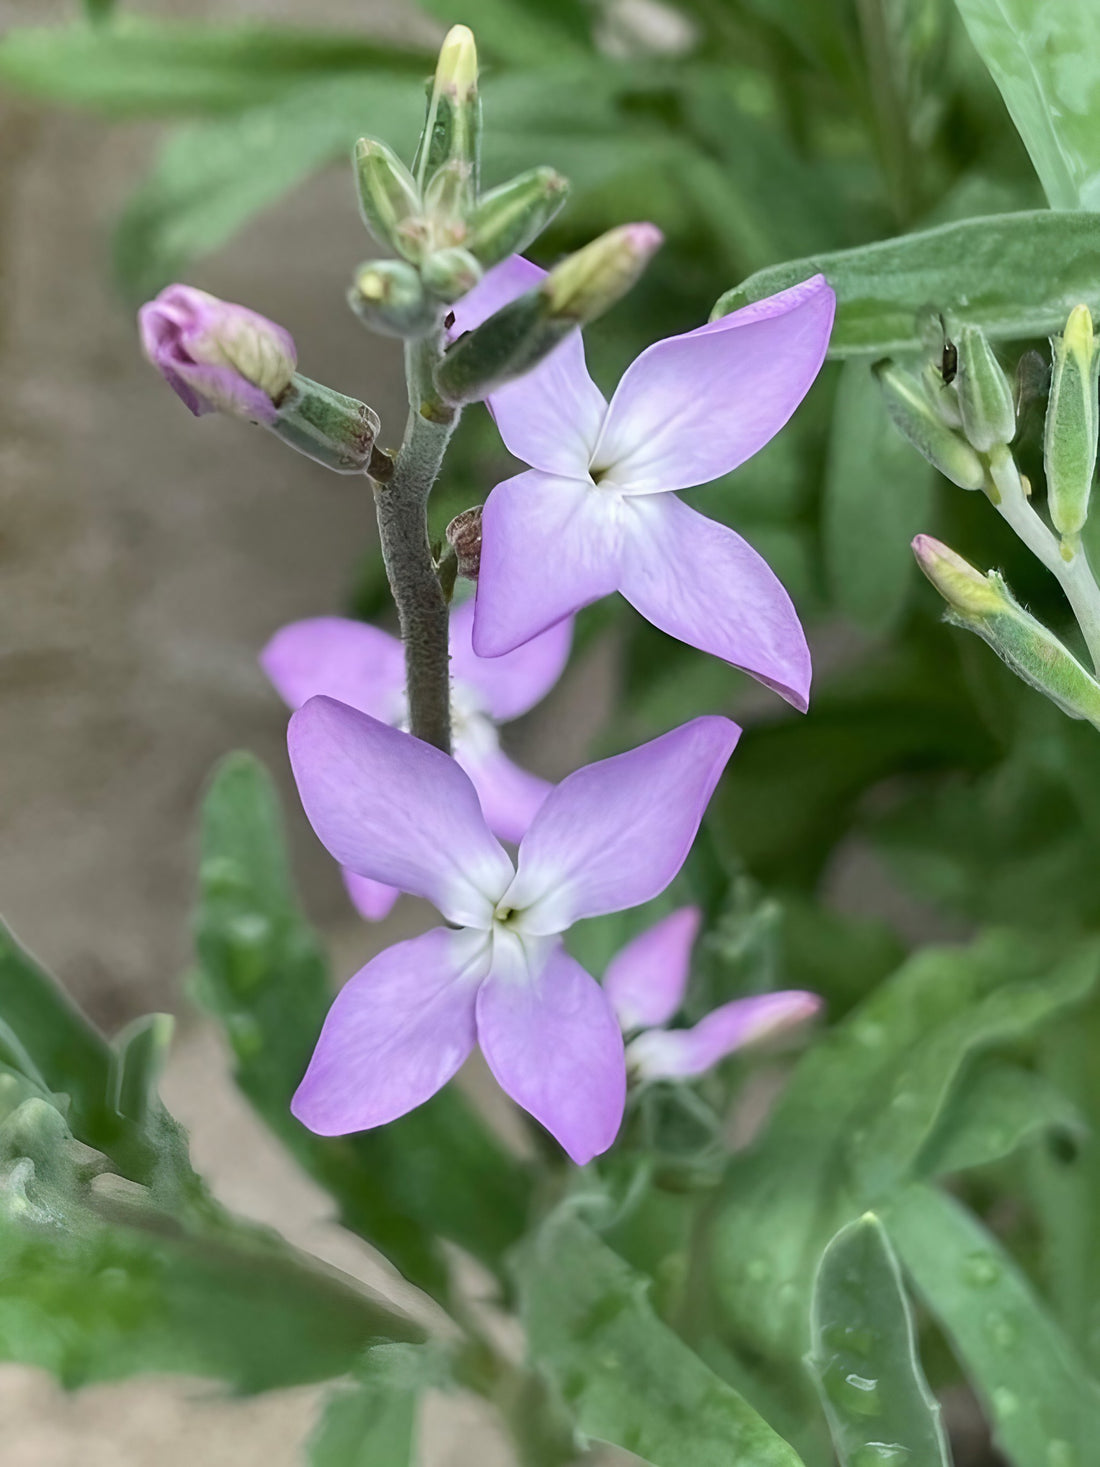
<point x="864" y="1356"/>
<point x="626" y="1377"/>
<point x="436" y="1172"/>
<point x="1014" y="275"/>
<point x="995" y="1110"/>
<point x="1040" y="1399"/>
<point x="878" y="495"/>
<point x="1045" y="60"/>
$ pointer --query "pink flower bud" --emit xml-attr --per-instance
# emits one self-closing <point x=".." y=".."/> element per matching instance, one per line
<point x="216" y="356"/>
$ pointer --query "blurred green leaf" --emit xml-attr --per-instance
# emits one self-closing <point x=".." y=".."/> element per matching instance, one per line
<point x="523" y="32"/>
<point x="371" y="1421"/>
<point x="622" y="1372"/>
<point x="996" y="1108"/>
<point x="139" y="66"/>
<point x="1014" y="275"/>
<point x="436" y="1172"/>
<point x="861" y="1105"/>
<point x="1041" y="1401"/>
<point x="1045" y="60"/>
<point x="864" y="1355"/>
<point x="878" y="495"/>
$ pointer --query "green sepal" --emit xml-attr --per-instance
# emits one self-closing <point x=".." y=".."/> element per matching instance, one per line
<point x="336" y="431"/>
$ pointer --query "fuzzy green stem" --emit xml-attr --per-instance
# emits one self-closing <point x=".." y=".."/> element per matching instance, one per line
<point x="402" y="506"/>
<point x="1073" y="574"/>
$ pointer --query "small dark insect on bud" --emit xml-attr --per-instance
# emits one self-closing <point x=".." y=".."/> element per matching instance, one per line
<point x="949" y="357"/>
<point x="464" y="538"/>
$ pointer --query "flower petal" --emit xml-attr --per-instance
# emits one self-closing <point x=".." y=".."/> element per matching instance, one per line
<point x="677" y="1054"/>
<point x="393" y="808"/>
<point x="510" y="797"/>
<point x="340" y="658"/>
<point x="701" y="582"/>
<point x="395" y="1034"/>
<point x="693" y="407"/>
<point x="614" y="834"/>
<point x="551" y="417"/>
<point x="554" y="1045"/>
<point x="646" y="979"/>
<point x="371" y="899"/>
<point x="508" y="686"/>
<point x="548" y="547"/>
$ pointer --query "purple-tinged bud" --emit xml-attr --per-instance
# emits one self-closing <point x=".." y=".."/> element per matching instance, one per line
<point x="589" y="282"/>
<point x="216" y="356"/>
<point x="464" y="538"/>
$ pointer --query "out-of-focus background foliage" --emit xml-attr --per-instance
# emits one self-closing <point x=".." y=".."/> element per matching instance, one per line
<point x="144" y="559"/>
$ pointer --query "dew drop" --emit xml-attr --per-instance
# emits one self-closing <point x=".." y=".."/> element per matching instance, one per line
<point x="981" y="1268"/>
<point x="1001" y="1330"/>
<point x="1005" y="1402"/>
<point x="881" y="1454"/>
<point x="1061" y="1454"/>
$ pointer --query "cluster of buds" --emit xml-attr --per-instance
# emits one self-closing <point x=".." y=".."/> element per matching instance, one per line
<point x="962" y="414"/>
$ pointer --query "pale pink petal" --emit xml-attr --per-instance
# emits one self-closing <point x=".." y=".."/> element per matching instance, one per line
<point x="371" y="899"/>
<point x="646" y="980"/>
<point x="614" y="834"/>
<point x="553" y="1043"/>
<point x="510" y="797"/>
<point x="702" y="583"/>
<point x="668" y="1054"/>
<point x="551" y="417"/>
<point x="508" y="686"/>
<point x="548" y="547"/>
<point x="693" y="407"/>
<point x="395" y="1034"/>
<point x="340" y="658"/>
<point x="393" y="808"/>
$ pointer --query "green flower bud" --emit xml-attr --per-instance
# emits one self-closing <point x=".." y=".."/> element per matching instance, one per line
<point x="388" y="296"/>
<point x="984" y="605"/>
<point x="449" y="274"/>
<point x="326" y="426"/>
<point x="452" y="128"/>
<point x="447" y="199"/>
<point x="984" y="392"/>
<point x="915" y="417"/>
<point x="388" y="197"/>
<point x="506" y="220"/>
<point x="1069" y="447"/>
<point x="519" y="335"/>
<point x="941" y="395"/>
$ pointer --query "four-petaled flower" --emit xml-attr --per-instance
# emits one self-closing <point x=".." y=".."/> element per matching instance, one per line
<point x="216" y="356"/>
<point x="365" y="667"/>
<point x="612" y="835"/>
<point x="646" y="982"/>
<point x="592" y="514"/>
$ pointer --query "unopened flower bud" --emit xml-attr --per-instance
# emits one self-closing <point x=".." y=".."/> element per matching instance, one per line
<point x="449" y="274"/>
<point x="517" y="337"/>
<point x="388" y="197"/>
<point x="217" y="357"/>
<point x="388" y="296"/>
<point x="917" y="419"/>
<point x="452" y="128"/>
<point x="984" y="392"/>
<point x="326" y="426"/>
<point x="464" y="538"/>
<point x="447" y="199"/>
<point x="984" y="605"/>
<point x="1070" y="443"/>
<point x="506" y="220"/>
<point x="941" y="395"/>
<point x="589" y="282"/>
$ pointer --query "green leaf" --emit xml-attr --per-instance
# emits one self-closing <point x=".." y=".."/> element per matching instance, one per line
<point x="1041" y="1401"/>
<point x="851" y="1126"/>
<point x="371" y="1421"/>
<point x="436" y="1172"/>
<point x="100" y="1282"/>
<point x="995" y="1109"/>
<point x="1013" y="275"/>
<point x="138" y="66"/>
<point x="623" y="1373"/>
<point x="864" y="1355"/>
<point x="524" y="32"/>
<point x="878" y="495"/>
<point x="1044" y="59"/>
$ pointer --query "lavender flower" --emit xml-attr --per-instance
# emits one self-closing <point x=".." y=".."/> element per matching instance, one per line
<point x="396" y="810"/>
<point x="593" y="511"/>
<point x="215" y="356"/>
<point x="365" y="667"/>
<point x="646" y="983"/>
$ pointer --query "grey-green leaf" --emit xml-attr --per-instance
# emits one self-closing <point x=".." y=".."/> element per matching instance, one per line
<point x="1045" y="60"/>
<point x="627" y="1378"/>
<point x="1014" y="275"/>
<point x="1043" y="1404"/>
<point x="864" y="1356"/>
<point x="995" y="1110"/>
<point x="878" y="495"/>
<point x="371" y="1420"/>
